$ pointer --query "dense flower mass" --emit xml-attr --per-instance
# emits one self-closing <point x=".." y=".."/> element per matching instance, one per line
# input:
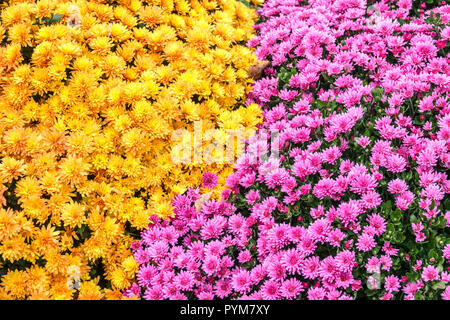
<point x="91" y="93"/>
<point x="343" y="193"/>
<point x="208" y="252"/>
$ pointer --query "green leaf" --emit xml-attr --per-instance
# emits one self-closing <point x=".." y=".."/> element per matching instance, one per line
<point x="411" y="276"/>
<point x="433" y="205"/>
<point x="432" y="254"/>
<point x="390" y="229"/>
<point x="396" y="216"/>
<point x="56" y="18"/>
<point x="419" y="296"/>
<point x="387" y="206"/>
<point x="440" y="285"/>
<point x="435" y="222"/>
<point x="443" y="222"/>
<point x="399" y="237"/>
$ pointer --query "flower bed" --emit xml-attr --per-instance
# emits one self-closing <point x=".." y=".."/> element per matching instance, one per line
<point x="343" y="194"/>
<point x="91" y="93"/>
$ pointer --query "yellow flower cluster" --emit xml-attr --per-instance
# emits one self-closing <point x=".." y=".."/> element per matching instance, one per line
<point x="91" y="93"/>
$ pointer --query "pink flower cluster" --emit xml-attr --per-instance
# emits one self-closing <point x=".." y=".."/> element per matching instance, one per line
<point x="343" y="193"/>
<point x="218" y="253"/>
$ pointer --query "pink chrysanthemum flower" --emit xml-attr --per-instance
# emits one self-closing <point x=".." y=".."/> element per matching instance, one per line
<point x="345" y="260"/>
<point x="209" y="180"/>
<point x="211" y="265"/>
<point x="184" y="280"/>
<point x="446" y="293"/>
<point x="373" y="265"/>
<point x="242" y="281"/>
<point x="446" y="251"/>
<point x="371" y="200"/>
<point x="223" y="288"/>
<point x="335" y="237"/>
<point x="363" y="141"/>
<point x="430" y="273"/>
<point x="363" y="183"/>
<point x="310" y="267"/>
<point x="291" y="288"/>
<point x="391" y="283"/>
<point x="292" y="261"/>
<point x="270" y="290"/>
<point x="316" y="294"/>
<point x="397" y="186"/>
<point x="365" y="243"/>
<point x="404" y="200"/>
<point x="395" y="163"/>
<point x="244" y="256"/>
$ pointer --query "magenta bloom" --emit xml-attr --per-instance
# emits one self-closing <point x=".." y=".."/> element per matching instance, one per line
<point x="209" y="180"/>
<point x="211" y="265"/>
<point x="446" y="294"/>
<point x="430" y="273"/>
<point x="270" y="290"/>
<point x="345" y="260"/>
<point x="364" y="141"/>
<point x="392" y="284"/>
<point x="365" y="242"/>
<point x="446" y="251"/>
<point x="291" y="288"/>
<point x="397" y="186"/>
<point x="404" y="200"/>
<point x="242" y="281"/>
<point x="223" y="288"/>
<point x="244" y="256"/>
<point x="316" y="294"/>
<point x="184" y="280"/>
<point x="292" y="261"/>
